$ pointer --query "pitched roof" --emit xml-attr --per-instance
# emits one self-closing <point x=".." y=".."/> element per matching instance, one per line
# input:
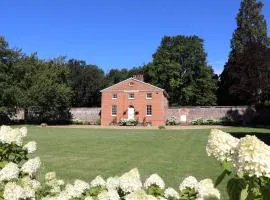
<point x="134" y="79"/>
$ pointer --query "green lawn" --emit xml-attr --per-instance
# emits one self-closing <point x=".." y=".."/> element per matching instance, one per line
<point x="86" y="153"/>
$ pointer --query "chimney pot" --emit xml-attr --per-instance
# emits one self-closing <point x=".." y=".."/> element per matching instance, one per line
<point x="139" y="77"/>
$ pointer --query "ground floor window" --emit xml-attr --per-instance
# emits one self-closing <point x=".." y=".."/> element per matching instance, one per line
<point x="148" y="110"/>
<point x="114" y="110"/>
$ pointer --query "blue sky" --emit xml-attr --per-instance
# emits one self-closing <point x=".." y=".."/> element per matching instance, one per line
<point x="118" y="33"/>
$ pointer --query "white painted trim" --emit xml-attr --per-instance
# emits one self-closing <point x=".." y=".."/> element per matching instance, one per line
<point x="114" y="97"/>
<point x="130" y="91"/>
<point x="151" y="111"/>
<point x="149" y="97"/>
<point x="131" y="97"/>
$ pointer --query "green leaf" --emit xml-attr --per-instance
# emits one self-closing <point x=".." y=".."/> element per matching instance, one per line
<point x="234" y="188"/>
<point x="221" y="177"/>
<point x="227" y="166"/>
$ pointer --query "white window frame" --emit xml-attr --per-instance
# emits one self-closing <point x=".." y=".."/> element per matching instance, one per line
<point x="113" y="96"/>
<point x="147" y="110"/>
<point x="114" y="111"/>
<point x="131" y="97"/>
<point x="147" y="95"/>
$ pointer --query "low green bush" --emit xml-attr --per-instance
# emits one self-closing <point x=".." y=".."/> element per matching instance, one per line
<point x="128" y="122"/>
<point x="172" y="121"/>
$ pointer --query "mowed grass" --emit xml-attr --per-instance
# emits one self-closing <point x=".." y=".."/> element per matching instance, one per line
<point x="86" y="153"/>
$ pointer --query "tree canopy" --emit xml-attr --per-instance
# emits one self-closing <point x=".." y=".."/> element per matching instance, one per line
<point x="179" y="66"/>
<point x="246" y="74"/>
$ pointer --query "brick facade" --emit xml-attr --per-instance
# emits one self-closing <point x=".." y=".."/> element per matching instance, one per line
<point x="118" y="95"/>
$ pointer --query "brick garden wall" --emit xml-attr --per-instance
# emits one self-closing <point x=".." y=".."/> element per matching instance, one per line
<point x="206" y="112"/>
<point x="186" y="114"/>
<point x="85" y="114"/>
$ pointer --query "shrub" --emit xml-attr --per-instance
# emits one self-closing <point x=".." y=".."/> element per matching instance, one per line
<point x="160" y="127"/>
<point x="172" y="121"/>
<point x="128" y="122"/>
<point x="201" y="121"/>
<point x="77" y="122"/>
<point x="245" y="161"/>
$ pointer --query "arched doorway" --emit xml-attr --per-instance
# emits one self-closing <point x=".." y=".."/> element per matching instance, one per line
<point x="131" y="112"/>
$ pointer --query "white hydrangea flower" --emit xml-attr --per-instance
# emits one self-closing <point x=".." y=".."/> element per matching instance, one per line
<point x="206" y="190"/>
<point x="53" y="183"/>
<point x="61" y="196"/>
<point x="9" y="135"/>
<point x="171" y="193"/>
<point x="29" y="193"/>
<point x="12" y="191"/>
<point x="189" y="182"/>
<point x="154" y="179"/>
<point x="161" y="198"/>
<point x="70" y="191"/>
<point x="130" y="181"/>
<point x="76" y="190"/>
<point x="32" y="183"/>
<point x="31" y="147"/>
<point x="23" y="131"/>
<point x="108" y="195"/>
<point x="80" y="185"/>
<point x="139" y="195"/>
<point x="88" y="198"/>
<point x="252" y="157"/>
<point x="31" y="166"/>
<point x="9" y="172"/>
<point x="98" y="181"/>
<point x="50" y="176"/>
<point x="113" y="183"/>
<point x="221" y="145"/>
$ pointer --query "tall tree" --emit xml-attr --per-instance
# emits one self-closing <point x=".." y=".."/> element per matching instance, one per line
<point x="243" y="78"/>
<point x="115" y="76"/>
<point x="86" y="82"/>
<point x="8" y="57"/>
<point x="179" y="66"/>
<point x="49" y="94"/>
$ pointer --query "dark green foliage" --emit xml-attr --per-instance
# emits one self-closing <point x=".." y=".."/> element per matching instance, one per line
<point x="37" y="86"/>
<point x="12" y="153"/>
<point x="188" y="194"/>
<point x="234" y="188"/>
<point x="115" y="76"/>
<point x="86" y="82"/>
<point x="245" y="79"/>
<point x="179" y="66"/>
<point x="155" y="191"/>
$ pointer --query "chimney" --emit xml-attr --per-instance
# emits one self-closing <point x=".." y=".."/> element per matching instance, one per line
<point x="139" y="77"/>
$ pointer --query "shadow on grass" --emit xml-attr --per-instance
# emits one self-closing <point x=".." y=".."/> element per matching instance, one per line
<point x="265" y="137"/>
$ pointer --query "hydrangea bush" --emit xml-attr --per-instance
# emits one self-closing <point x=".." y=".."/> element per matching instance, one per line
<point x="246" y="160"/>
<point x="247" y="163"/>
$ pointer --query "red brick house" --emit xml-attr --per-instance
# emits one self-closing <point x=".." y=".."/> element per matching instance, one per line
<point x="134" y="99"/>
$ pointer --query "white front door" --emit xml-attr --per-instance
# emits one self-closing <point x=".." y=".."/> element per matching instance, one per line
<point x="131" y="113"/>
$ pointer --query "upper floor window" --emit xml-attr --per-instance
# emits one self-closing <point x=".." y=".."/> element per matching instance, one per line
<point x="114" y="110"/>
<point x="131" y="84"/>
<point x="149" y="110"/>
<point x="149" y="96"/>
<point x="131" y="96"/>
<point x="114" y="96"/>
